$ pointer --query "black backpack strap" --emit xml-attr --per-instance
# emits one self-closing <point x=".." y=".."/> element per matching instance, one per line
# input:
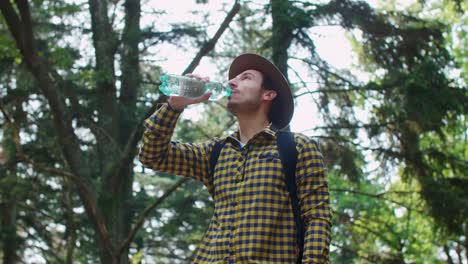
<point x="288" y="155"/>
<point x="213" y="160"/>
<point x="215" y="155"/>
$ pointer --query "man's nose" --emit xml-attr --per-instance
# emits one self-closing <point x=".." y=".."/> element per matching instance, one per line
<point x="232" y="83"/>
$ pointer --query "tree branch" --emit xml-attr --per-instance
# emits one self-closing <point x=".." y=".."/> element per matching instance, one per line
<point x="209" y="45"/>
<point x="349" y="126"/>
<point x="82" y="186"/>
<point x="14" y="23"/>
<point x="378" y="196"/>
<point x="357" y="252"/>
<point x="328" y="71"/>
<point x="28" y="39"/>
<point x="5" y="115"/>
<point x="377" y="233"/>
<point x="332" y="91"/>
<point x="141" y="218"/>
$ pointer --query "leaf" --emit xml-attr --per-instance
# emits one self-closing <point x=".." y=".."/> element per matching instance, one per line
<point x="136" y="258"/>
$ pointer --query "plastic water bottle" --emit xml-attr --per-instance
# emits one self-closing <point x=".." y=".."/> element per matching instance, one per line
<point x="177" y="85"/>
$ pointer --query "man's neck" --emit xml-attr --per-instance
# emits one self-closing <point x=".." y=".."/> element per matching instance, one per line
<point x="249" y="126"/>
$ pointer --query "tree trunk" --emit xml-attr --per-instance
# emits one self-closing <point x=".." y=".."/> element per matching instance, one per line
<point x="116" y="190"/>
<point x="8" y="228"/>
<point x="71" y="225"/>
<point x="447" y="253"/>
<point x="8" y="205"/>
<point x="282" y="34"/>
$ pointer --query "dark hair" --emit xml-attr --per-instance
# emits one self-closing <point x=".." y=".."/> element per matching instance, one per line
<point x="268" y="84"/>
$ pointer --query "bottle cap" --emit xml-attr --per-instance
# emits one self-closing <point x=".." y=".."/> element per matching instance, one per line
<point x="228" y="91"/>
<point x="164" y="86"/>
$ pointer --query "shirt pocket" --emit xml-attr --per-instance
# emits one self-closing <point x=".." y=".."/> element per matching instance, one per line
<point x="268" y="156"/>
<point x="265" y="175"/>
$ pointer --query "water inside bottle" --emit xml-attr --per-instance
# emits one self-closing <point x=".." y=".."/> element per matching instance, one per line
<point x="173" y="85"/>
<point x="182" y="86"/>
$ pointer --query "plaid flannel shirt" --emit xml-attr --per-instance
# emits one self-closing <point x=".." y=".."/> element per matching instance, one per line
<point x="253" y="220"/>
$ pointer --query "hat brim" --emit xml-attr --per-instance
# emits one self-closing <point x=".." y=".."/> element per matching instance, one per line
<point x="249" y="61"/>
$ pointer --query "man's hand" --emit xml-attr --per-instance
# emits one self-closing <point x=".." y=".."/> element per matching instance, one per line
<point x="180" y="102"/>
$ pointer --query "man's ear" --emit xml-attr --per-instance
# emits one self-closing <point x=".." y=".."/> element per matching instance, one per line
<point x="269" y="95"/>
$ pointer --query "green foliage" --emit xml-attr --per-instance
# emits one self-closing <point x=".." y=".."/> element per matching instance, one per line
<point x="418" y="100"/>
<point x="7" y="48"/>
<point x="343" y="159"/>
<point x="64" y="57"/>
<point x="254" y="35"/>
<point x="373" y="225"/>
<point x="137" y="257"/>
<point x="179" y="223"/>
<point x="208" y="125"/>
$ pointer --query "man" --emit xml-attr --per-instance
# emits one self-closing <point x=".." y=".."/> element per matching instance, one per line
<point x="253" y="218"/>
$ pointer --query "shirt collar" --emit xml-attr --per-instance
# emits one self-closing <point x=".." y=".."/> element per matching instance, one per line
<point x="267" y="133"/>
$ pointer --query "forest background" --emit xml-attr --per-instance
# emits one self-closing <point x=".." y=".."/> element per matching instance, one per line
<point x="387" y="100"/>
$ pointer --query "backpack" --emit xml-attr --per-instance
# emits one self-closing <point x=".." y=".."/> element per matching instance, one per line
<point x="288" y="155"/>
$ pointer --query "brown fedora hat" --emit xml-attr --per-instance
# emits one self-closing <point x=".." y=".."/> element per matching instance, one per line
<point x="283" y="109"/>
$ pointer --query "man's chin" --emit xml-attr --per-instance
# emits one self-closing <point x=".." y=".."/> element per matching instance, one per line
<point x="232" y="106"/>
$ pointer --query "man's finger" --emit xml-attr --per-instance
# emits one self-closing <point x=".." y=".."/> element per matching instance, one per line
<point x="203" y="98"/>
<point x="198" y="77"/>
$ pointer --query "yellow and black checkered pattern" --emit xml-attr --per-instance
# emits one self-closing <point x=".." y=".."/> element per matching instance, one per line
<point x="253" y="220"/>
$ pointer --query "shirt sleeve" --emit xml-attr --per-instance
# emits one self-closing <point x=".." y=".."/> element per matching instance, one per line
<point x="159" y="153"/>
<point x="314" y="201"/>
